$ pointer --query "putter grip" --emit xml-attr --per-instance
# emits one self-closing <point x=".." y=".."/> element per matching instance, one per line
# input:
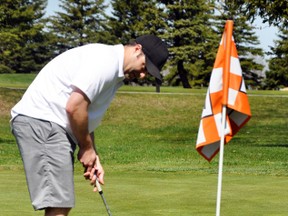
<point x="97" y="184"/>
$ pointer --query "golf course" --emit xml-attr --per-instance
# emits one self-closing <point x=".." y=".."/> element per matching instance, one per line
<point x="147" y="141"/>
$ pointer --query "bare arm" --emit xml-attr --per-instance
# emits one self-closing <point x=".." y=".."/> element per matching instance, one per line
<point x="77" y="111"/>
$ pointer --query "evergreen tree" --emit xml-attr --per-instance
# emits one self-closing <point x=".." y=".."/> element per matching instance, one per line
<point x="272" y="11"/>
<point x="277" y="76"/>
<point x="78" y="23"/>
<point x="245" y="38"/>
<point x="192" y="39"/>
<point x="22" y="40"/>
<point x="133" y="18"/>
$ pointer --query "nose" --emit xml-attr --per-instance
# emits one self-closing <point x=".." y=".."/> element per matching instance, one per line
<point x="142" y="75"/>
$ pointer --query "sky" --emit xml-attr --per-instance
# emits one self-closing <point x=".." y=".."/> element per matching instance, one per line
<point x="266" y="34"/>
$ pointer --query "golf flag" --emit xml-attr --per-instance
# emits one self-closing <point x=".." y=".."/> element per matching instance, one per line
<point x="224" y="90"/>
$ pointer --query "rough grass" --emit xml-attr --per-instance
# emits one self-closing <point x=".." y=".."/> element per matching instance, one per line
<point x="16" y="80"/>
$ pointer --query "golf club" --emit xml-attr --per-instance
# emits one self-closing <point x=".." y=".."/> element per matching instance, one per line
<point x="97" y="184"/>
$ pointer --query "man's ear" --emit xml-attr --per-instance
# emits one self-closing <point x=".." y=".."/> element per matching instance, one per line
<point x="138" y="47"/>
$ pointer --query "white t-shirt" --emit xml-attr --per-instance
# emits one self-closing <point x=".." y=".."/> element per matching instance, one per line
<point x="96" y="69"/>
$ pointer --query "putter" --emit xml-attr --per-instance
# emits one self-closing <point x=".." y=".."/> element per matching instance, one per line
<point x="97" y="184"/>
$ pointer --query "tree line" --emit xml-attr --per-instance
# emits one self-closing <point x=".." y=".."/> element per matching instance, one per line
<point x="191" y="28"/>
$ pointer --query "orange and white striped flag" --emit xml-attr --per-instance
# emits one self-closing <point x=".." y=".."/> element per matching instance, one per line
<point x="238" y="108"/>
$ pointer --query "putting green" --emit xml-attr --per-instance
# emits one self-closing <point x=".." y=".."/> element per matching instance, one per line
<point x="159" y="193"/>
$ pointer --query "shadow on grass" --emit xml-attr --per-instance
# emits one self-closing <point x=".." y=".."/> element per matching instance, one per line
<point x="6" y="141"/>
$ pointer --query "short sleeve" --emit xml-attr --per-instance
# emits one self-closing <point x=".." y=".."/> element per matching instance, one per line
<point x="97" y="72"/>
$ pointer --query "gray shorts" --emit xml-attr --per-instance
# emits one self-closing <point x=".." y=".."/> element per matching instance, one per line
<point x="48" y="156"/>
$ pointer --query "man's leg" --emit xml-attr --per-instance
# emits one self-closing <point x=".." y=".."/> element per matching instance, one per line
<point x="48" y="161"/>
<point x="57" y="211"/>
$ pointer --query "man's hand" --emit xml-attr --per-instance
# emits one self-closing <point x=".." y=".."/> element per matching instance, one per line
<point x="96" y="172"/>
<point x="88" y="158"/>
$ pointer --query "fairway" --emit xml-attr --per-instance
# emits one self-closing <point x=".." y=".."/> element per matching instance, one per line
<point x="147" y="146"/>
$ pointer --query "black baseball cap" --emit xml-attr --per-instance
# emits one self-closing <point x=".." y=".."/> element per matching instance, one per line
<point x="156" y="53"/>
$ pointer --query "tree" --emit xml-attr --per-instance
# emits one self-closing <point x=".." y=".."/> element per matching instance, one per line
<point x="277" y="76"/>
<point x="192" y="41"/>
<point x="22" y="40"/>
<point x="80" y="22"/>
<point x="245" y="39"/>
<point x="272" y="11"/>
<point x="134" y="18"/>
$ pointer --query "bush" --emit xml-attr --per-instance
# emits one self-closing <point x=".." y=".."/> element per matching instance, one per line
<point x="4" y="69"/>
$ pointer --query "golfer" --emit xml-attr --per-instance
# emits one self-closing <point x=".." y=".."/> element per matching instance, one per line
<point x="63" y="106"/>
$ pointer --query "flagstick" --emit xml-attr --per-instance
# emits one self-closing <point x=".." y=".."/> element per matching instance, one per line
<point x="221" y="157"/>
<point x="226" y="72"/>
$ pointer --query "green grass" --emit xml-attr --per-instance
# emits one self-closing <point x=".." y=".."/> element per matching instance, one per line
<point x="156" y="193"/>
<point x="147" y="145"/>
<point x="16" y="80"/>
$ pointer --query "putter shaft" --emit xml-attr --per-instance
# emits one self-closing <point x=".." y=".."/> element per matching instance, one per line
<point x="99" y="188"/>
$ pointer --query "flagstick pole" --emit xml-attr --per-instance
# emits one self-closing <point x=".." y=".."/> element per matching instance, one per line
<point x="226" y="71"/>
<point x="221" y="158"/>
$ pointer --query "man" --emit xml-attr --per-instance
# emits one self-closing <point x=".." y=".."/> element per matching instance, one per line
<point x="63" y="106"/>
